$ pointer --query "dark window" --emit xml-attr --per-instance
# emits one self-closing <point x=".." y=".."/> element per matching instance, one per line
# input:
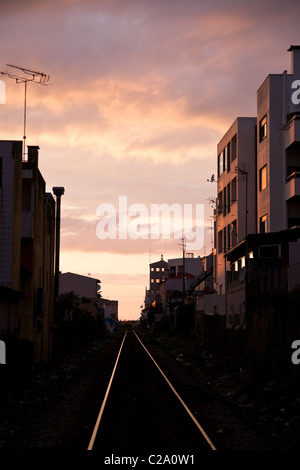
<point x="228" y="157"/>
<point x="220" y="242"/>
<point x="271" y="251"/>
<point x="233" y="148"/>
<point x="263" y="128"/>
<point x="225" y="158"/>
<point x="220" y="164"/>
<point x="228" y="198"/>
<point x="26" y="196"/>
<point x="225" y="238"/>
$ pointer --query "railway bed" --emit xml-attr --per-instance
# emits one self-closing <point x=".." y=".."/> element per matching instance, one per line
<point x="143" y="416"/>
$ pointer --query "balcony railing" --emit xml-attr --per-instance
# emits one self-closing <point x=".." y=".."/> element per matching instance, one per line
<point x="292" y="187"/>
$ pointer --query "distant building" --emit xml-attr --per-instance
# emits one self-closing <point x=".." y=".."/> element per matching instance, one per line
<point x="86" y="289"/>
<point x="170" y="282"/>
<point x="156" y="274"/>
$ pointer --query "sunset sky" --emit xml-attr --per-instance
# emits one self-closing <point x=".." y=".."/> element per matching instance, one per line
<point x="140" y="93"/>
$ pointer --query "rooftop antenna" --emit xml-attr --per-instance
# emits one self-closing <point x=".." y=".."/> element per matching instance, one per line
<point x="34" y="76"/>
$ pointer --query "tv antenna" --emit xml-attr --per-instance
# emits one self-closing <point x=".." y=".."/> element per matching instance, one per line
<point x="33" y="76"/>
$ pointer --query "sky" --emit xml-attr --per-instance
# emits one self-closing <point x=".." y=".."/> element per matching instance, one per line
<point x="140" y="93"/>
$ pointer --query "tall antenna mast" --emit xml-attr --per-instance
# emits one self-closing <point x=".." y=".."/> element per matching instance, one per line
<point x="36" y="77"/>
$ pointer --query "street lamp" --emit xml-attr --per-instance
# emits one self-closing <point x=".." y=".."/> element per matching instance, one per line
<point x="58" y="191"/>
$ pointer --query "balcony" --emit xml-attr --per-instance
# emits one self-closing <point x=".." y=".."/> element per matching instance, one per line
<point x="292" y="131"/>
<point x="292" y="186"/>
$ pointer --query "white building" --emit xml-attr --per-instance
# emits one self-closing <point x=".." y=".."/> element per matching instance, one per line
<point x="235" y="213"/>
<point x="269" y="165"/>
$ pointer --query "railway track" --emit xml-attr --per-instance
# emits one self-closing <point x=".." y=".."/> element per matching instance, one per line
<point x="143" y="417"/>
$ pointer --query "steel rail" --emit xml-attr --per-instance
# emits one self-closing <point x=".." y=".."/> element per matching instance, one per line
<point x="204" y="434"/>
<point x="92" y="440"/>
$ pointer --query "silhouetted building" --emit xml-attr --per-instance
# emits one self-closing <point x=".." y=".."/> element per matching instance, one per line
<point x="37" y="259"/>
<point x="10" y="234"/>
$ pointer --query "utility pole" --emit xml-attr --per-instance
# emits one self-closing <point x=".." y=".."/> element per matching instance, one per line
<point x="183" y="269"/>
<point x="244" y="172"/>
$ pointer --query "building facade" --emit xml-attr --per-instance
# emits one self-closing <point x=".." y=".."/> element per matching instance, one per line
<point x="10" y="234"/>
<point x="270" y="167"/>
<point x="27" y="221"/>
<point x="86" y="290"/>
<point x="37" y="259"/>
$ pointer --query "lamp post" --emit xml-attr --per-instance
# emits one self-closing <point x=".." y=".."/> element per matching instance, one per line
<point x="58" y="191"/>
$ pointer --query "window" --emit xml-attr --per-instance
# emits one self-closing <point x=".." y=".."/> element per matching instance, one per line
<point x="233" y="190"/>
<point x="224" y="202"/>
<point x="233" y="148"/>
<point x="233" y="230"/>
<point x="271" y="251"/>
<point x="263" y="128"/>
<point x="220" y="240"/>
<point x="228" y="236"/>
<point x="228" y="157"/>
<point x="228" y="198"/>
<point x="220" y="202"/>
<point x="26" y="195"/>
<point x="220" y="164"/>
<point x="263" y="178"/>
<point x="157" y="269"/>
<point x="225" y="158"/>
<point x="263" y="224"/>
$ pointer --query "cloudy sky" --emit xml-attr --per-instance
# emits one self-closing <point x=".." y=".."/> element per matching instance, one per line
<point x="140" y="93"/>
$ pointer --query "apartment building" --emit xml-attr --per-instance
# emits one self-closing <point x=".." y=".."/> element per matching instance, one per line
<point x="235" y="214"/>
<point x="278" y="150"/>
<point x="10" y="233"/>
<point x="27" y="221"/>
<point x="36" y="313"/>
<point x="257" y="237"/>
